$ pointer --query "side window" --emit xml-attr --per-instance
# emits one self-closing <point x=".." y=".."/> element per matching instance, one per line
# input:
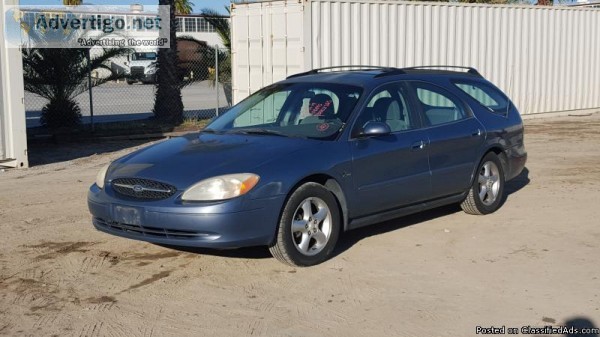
<point x="388" y="104"/>
<point x="438" y="105"/>
<point x="486" y="95"/>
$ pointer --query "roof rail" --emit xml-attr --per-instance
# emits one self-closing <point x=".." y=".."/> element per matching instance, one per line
<point x="351" y="68"/>
<point x="469" y="70"/>
<point x="391" y="72"/>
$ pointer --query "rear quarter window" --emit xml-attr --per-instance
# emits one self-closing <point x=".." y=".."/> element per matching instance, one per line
<point x="491" y="98"/>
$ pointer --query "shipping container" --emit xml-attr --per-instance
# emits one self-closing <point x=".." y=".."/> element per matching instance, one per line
<point x="13" y="137"/>
<point x="542" y="57"/>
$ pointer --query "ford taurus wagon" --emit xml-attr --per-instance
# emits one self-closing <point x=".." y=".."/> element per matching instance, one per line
<point x="300" y="162"/>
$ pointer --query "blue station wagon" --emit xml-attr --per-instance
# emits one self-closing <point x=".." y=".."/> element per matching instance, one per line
<point x="301" y="161"/>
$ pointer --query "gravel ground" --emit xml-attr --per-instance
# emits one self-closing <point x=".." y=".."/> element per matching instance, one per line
<point x="439" y="273"/>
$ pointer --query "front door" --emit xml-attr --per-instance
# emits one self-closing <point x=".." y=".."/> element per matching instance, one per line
<point x="389" y="171"/>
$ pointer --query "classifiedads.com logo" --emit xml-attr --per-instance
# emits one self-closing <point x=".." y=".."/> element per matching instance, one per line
<point x="86" y="26"/>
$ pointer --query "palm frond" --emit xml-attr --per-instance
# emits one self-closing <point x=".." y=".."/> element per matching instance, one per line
<point x="221" y="24"/>
<point x="183" y="6"/>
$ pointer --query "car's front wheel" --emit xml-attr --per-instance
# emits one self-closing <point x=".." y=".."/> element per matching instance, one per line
<point x="485" y="196"/>
<point x="309" y="227"/>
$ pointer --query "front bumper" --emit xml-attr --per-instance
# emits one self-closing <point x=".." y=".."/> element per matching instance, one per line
<point x="228" y="224"/>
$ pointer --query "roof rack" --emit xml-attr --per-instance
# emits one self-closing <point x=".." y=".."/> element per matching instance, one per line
<point x="352" y="68"/>
<point x="386" y="71"/>
<point x="469" y="70"/>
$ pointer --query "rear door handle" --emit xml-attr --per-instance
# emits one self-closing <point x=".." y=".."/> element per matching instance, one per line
<point x="420" y="145"/>
<point x="476" y="133"/>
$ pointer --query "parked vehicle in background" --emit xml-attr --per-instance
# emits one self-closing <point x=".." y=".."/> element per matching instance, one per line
<point x="142" y="67"/>
<point x="303" y="160"/>
<point x="191" y="58"/>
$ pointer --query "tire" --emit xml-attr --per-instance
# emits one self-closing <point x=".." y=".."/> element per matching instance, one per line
<point x="130" y="82"/>
<point x="311" y="237"/>
<point x="487" y="193"/>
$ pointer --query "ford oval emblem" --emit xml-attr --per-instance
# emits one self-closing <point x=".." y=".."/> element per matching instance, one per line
<point x="138" y="188"/>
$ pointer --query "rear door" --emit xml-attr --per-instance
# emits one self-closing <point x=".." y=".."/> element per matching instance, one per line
<point x="392" y="170"/>
<point x="455" y="138"/>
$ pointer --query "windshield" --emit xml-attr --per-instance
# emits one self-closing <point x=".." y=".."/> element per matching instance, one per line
<point x="310" y="110"/>
<point x="143" y="56"/>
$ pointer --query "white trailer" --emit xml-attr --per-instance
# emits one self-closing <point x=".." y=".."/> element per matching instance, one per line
<point x="13" y="135"/>
<point x="543" y="57"/>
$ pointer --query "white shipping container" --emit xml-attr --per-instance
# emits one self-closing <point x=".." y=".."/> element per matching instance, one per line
<point x="13" y="137"/>
<point x="542" y="57"/>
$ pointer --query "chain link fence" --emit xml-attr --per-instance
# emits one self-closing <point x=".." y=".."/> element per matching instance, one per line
<point x="204" y="75"/>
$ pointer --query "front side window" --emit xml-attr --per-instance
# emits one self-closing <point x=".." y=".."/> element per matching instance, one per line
<point x="491" y="98"/>
<point x="438" y="105"/>
<point x="388" y="104"/>
<point x="293" y="109"/>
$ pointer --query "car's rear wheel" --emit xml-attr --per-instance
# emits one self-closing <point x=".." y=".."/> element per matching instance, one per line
<point x="485" y="196"/>
<point x="309" y="227"/>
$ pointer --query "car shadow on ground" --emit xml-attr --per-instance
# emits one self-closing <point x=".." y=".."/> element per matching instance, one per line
<point x="349" y="239"/>
<point x="516" y="184"/>
<point x="352" y="237"/>
<point x="260" y="252"/>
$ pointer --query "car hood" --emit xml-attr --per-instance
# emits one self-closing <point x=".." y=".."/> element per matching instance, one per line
<point x="184" y="161"/>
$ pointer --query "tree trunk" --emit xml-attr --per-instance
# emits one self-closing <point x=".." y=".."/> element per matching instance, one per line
<point x="168" y="105"/>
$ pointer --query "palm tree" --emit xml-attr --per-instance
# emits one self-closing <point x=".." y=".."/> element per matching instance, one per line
<point x="221" y="25"/>
<point x="168" y="105"/>
<point x="72" y="2"/>
<point x="60" y="74"/>
<point x="183" y="7"/>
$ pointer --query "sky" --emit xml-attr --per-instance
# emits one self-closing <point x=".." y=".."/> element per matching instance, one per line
<point x="198" y="4"/>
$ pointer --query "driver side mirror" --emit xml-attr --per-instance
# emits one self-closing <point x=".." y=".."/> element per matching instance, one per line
<point x="374" y="128"/>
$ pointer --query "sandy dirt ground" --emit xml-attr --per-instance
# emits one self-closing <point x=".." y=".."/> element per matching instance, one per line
<point x="535" y="262"/>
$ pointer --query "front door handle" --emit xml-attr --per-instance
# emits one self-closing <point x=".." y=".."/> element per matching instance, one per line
<point x="420" y="145"/>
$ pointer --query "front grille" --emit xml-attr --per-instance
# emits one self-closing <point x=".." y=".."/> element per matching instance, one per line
<point x="142" y="188"/>
<point x="137" y="71"/>
<point x="154" y="231"/>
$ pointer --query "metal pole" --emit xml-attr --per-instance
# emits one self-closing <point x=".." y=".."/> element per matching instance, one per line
<point x="89" y="60"/>
<point x="217" y="77"/>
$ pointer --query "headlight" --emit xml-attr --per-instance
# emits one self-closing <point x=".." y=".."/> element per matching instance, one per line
<point x="221" y="187"/>
<point x="101" y="176"/>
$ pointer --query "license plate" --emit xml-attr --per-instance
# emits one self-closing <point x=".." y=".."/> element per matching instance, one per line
<point x="127" y="215"/>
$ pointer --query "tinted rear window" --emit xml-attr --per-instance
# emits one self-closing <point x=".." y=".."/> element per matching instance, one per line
<point x="486" y="95"/>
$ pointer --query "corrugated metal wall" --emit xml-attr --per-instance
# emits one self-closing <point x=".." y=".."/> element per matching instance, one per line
<point x="543" y="57"/>
<point x="267" y="44"/>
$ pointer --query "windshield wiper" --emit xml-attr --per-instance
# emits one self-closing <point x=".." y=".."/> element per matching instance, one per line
<point x="212" y="131"/>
